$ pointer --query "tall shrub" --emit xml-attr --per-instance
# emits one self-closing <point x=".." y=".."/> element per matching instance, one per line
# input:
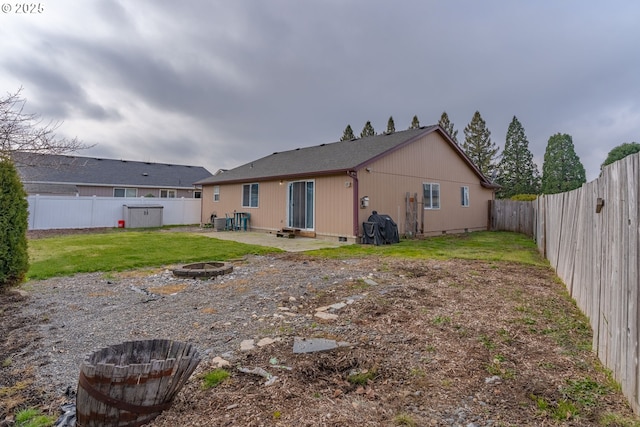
<point x="14" y="259"/>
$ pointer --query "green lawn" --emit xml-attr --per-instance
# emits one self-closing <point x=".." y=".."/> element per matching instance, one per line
<point x="83" y="253"/>
<point x="483" y="245"/>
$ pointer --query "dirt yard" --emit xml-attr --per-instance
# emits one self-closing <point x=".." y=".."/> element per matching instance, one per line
<point x="431" y="343"/>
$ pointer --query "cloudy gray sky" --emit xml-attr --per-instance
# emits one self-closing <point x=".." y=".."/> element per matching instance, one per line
<point x="220" y="83"/>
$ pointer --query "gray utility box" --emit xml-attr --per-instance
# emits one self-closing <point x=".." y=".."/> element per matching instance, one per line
<point x="142" y="216"/>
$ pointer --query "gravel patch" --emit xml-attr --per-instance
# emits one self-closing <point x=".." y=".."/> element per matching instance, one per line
<point x="85" y="312"/>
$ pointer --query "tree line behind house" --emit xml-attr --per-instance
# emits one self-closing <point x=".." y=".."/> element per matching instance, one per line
<point x="514" y="169"/>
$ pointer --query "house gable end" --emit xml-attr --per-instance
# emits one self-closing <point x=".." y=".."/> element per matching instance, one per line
<point x="333" y="158"/>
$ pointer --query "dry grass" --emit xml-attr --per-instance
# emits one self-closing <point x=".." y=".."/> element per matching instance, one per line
<point x="448" y="342"/>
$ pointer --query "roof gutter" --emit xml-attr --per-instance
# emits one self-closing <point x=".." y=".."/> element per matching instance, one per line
<point x="490" y="185"/>
<point x="274" y="177"/>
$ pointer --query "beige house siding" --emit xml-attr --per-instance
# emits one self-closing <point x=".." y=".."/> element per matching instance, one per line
<point x="268" y="216"/>
<point x="431" y="160"/>
<point x="332" y="199"/>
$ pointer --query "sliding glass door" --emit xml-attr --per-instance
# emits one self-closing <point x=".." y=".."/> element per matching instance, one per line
<point x="301" y="204"/>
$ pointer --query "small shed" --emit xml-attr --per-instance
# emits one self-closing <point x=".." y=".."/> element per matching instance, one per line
<point x="142" y="216"/>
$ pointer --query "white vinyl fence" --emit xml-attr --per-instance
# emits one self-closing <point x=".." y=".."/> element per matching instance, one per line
<point x="56" y="212"/>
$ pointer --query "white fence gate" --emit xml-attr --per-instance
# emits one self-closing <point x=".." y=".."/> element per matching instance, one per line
<point x="55" y="212"/>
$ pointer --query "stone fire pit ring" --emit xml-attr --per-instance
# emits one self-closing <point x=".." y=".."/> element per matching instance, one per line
<point x="204" y="269"/>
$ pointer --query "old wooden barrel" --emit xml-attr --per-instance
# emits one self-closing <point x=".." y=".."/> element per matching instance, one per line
<point x="130" y="384"/>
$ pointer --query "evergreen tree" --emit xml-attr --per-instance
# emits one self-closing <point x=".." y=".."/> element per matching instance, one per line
<point x="517" y="173"/>
<point x="20" y="131"/>
<point x="348" y="134"/>
<point x="478" y="146"/>
<point x="14" y="212"/>
<point x="367" y="130"/>
<point x="562" y="170"/>
<point x="620" y="152"/>
<point x="415" y="123"/>
<point x="448" y="126"/>
<point x="391" y="127"/>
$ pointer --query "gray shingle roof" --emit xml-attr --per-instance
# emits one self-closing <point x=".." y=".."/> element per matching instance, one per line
<point x="325" y="159"/>
<point x="59" y="169"/>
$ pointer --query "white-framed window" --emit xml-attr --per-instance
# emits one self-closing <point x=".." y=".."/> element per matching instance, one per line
<point x="197" y="194"/>
<point x="216" y="193"/>
<point x="250" y="195"/>
<point x="431" y="192"/>
<point x="125" y="192"/>
<point x="464" y="196"/>
<point x="168" y="194"/>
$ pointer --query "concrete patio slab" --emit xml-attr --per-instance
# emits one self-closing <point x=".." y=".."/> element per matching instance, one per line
<point x="297" y="244"/>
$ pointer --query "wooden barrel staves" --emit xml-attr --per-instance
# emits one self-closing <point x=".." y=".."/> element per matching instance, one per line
<point x="130" y="384"/>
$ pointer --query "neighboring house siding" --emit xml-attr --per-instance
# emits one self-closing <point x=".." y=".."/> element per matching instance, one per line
<point x="95" y="191"/>
<point x="142" y="192"/>
<point x="427" y="160"/>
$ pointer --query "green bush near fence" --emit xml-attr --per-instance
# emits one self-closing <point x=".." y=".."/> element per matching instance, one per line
<point x="14" y="260"/>
<point x="524" y="197"/>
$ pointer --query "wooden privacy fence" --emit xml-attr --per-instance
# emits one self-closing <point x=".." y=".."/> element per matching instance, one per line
<point x="510" y="215"/>
<point x="591" y="238"/>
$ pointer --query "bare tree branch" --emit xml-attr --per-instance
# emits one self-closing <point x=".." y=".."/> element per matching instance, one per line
<point x="23" y="132"/>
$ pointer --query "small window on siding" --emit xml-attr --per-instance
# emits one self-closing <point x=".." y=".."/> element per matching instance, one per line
<point x="168" y="194"/>
<point x="464" y="196"/>
<point x="431" y="195"/>
<point x="216" y="193"/>
<point x="125" y="192"/>
<point x="250" y="196"/>
<point x="197" y="194"/>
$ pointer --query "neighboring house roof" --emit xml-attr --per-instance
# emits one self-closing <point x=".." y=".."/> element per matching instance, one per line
<point x="58" y="169"/>
<point x="332" y="158"/>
